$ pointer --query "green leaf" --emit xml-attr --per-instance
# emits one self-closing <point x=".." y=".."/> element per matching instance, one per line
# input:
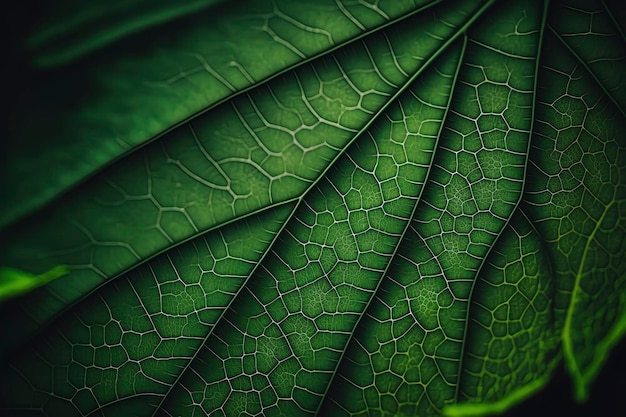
<point x="122" y="98"/>
<point x="69" y="30"/>
<point x="236" y="161"/>
<point x="14" y="282"/>
<point x="386" y="208"/>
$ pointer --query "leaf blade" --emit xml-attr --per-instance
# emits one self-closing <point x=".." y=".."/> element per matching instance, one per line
<point x="418" y="315"/>
<point x="576" y="159"/>
<point x="119" y="101"/>
<point x="158" y="196"/>
<point x="270" y="315"/>
<point x="331" y="290"/>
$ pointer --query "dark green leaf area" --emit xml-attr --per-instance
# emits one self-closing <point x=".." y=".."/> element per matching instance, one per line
<point x="588" y="31"/>
<point x="297" y="314"/>
<point x="513" y="342"/>
<point x="137" y="334"/>
<point x="133" y="91"/>
<point x="576" y="197"/>
<point x="407" y="350"/>
<point x="261" y="148"/>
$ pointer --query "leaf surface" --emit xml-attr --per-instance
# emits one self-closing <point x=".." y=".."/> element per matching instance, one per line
<point x="121" y="99"/>
<point x="330" y="208"/>
<point x="265" y="147"/>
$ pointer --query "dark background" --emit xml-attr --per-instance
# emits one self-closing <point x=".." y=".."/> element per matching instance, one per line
<point x="607" y="397"/>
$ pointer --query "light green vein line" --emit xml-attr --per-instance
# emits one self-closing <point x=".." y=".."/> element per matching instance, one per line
<point x="580" y="388"/>
<point x="496" y="407"/>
